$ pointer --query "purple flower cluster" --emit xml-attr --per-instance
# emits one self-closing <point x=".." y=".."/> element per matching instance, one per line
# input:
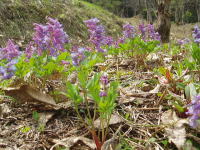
<point x="10" y="51"/>
<point x="142" y="29"/>
<point x="196" y="34"/>
<point x="194" y="112"/>
<point x="97" y="34"/>
<point x="183" y="41"/>
<point x="119" y="41"/>
<point x="129" y="31"/>
<point x="148" y="32"/>
<point x="9" y="54"/>
<point x="77" y="55"/>
<point x="30" y="50"/>
<point x="104" y="81"/>
<point x="8" y="70"/>
<point x="103" y="94"/>
<point x="50" y="38"/>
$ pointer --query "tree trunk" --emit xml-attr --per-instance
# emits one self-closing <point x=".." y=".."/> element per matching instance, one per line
<point x="176" y="15"/>
<point x="149" y="11"/>
<point x="198" y="9"/>
<point x="163" y="22"/>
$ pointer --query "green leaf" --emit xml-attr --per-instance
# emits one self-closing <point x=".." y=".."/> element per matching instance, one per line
<point x="193" y="91"/>
<point x="35" y="115"/>
<point x="93" y="87"/>
<point x="83" y="77"/>
<point x="63" y="56"/>
<point x="165" y="142"/>
<point x="25" y="129"/>
<point x="187" y="92"/>
<point x="179" y="108"/>
<point x="73" y="93"/>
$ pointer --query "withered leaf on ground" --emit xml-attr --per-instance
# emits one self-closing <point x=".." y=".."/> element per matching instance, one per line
<point x="175" y="129"/>
<point x="70" y="141"/>
<point x="26" y="93"/>
<point x="44" y="117"/>
<point x="115" y="119"/>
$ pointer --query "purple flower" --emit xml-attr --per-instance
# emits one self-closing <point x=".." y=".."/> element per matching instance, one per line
<point x="10" y="51"/>
<point x="148" y="32"/>
<point x="129" y="31"/>
<point x="119" y="41"/>
<point x="196" y="34"/>
<point x="8" y="70"/>
<point x="64" y="62"/>
<point x="194" y="111"/>
<point x="10" y="54"/>
<point x="77" y="55"/>
<point x="152" y="34"/>
<point x="50" y="37"/>
<point x="2" y="70"/>
<point x="104" y="79"/>
<point x="7" y="76"/>
<point x="103" y="94"/>
<point x="108" y="40"/>
<point x="97" y="34"/>
<point x="183" y="41"/>
<point x="142" y="29"/>
<point x="92" y="23"/>
<point x="30" y="50"/>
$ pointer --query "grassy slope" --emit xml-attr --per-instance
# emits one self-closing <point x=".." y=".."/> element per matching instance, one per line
<point x="17" y="18"/>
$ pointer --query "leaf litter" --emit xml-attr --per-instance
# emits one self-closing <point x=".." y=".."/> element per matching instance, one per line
<point x="137" y="113"/>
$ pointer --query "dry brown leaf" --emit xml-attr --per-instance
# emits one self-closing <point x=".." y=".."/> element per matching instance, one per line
<point x="39" y="95"/>
<point x="26" y="93"/>
<point x="45" y="116"/>
<point x="70" y="141"/>
<point x="111" y="144"/>
<point x="4" y="109"/>
<point x="156" y="89"/>
<point x="175" y="131"/>
<point x="113" y="120"/>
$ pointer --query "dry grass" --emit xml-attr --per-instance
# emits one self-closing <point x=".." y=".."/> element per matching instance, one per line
<point x="182" y="31"/>
<point x="177" y="31"/>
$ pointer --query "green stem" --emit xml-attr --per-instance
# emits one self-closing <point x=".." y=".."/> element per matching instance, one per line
<point x="81" y="118"/>
<point x="88" y="111"/>
<point x="95" y="111"/>
<point x="118" y="69"/>
<point x="102" y="128"/>
<point x="106" y="132"/>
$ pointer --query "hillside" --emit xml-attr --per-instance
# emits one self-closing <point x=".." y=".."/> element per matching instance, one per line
<point x="17" y="18"/>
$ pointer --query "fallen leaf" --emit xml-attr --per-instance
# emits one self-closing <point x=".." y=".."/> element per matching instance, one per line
<point x="4" y="109"/>
<point x="27" y="94"/>
<point x="155" y="90"/>
<point x="153" y="56"/>
<point x="163" y="80"/>
<point x="39" y="95"/>
<point x="70" y="141"/>
<point x="111" y="144"/>
<point x="44" y="117"/>
<point x="113" y="120"/>
<point x="175" y="129"/>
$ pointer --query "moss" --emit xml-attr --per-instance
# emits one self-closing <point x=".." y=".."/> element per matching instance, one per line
<point x="17" y="18"/>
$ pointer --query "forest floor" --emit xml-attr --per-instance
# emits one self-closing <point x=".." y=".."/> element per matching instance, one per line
<point x="142" y="114"/>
